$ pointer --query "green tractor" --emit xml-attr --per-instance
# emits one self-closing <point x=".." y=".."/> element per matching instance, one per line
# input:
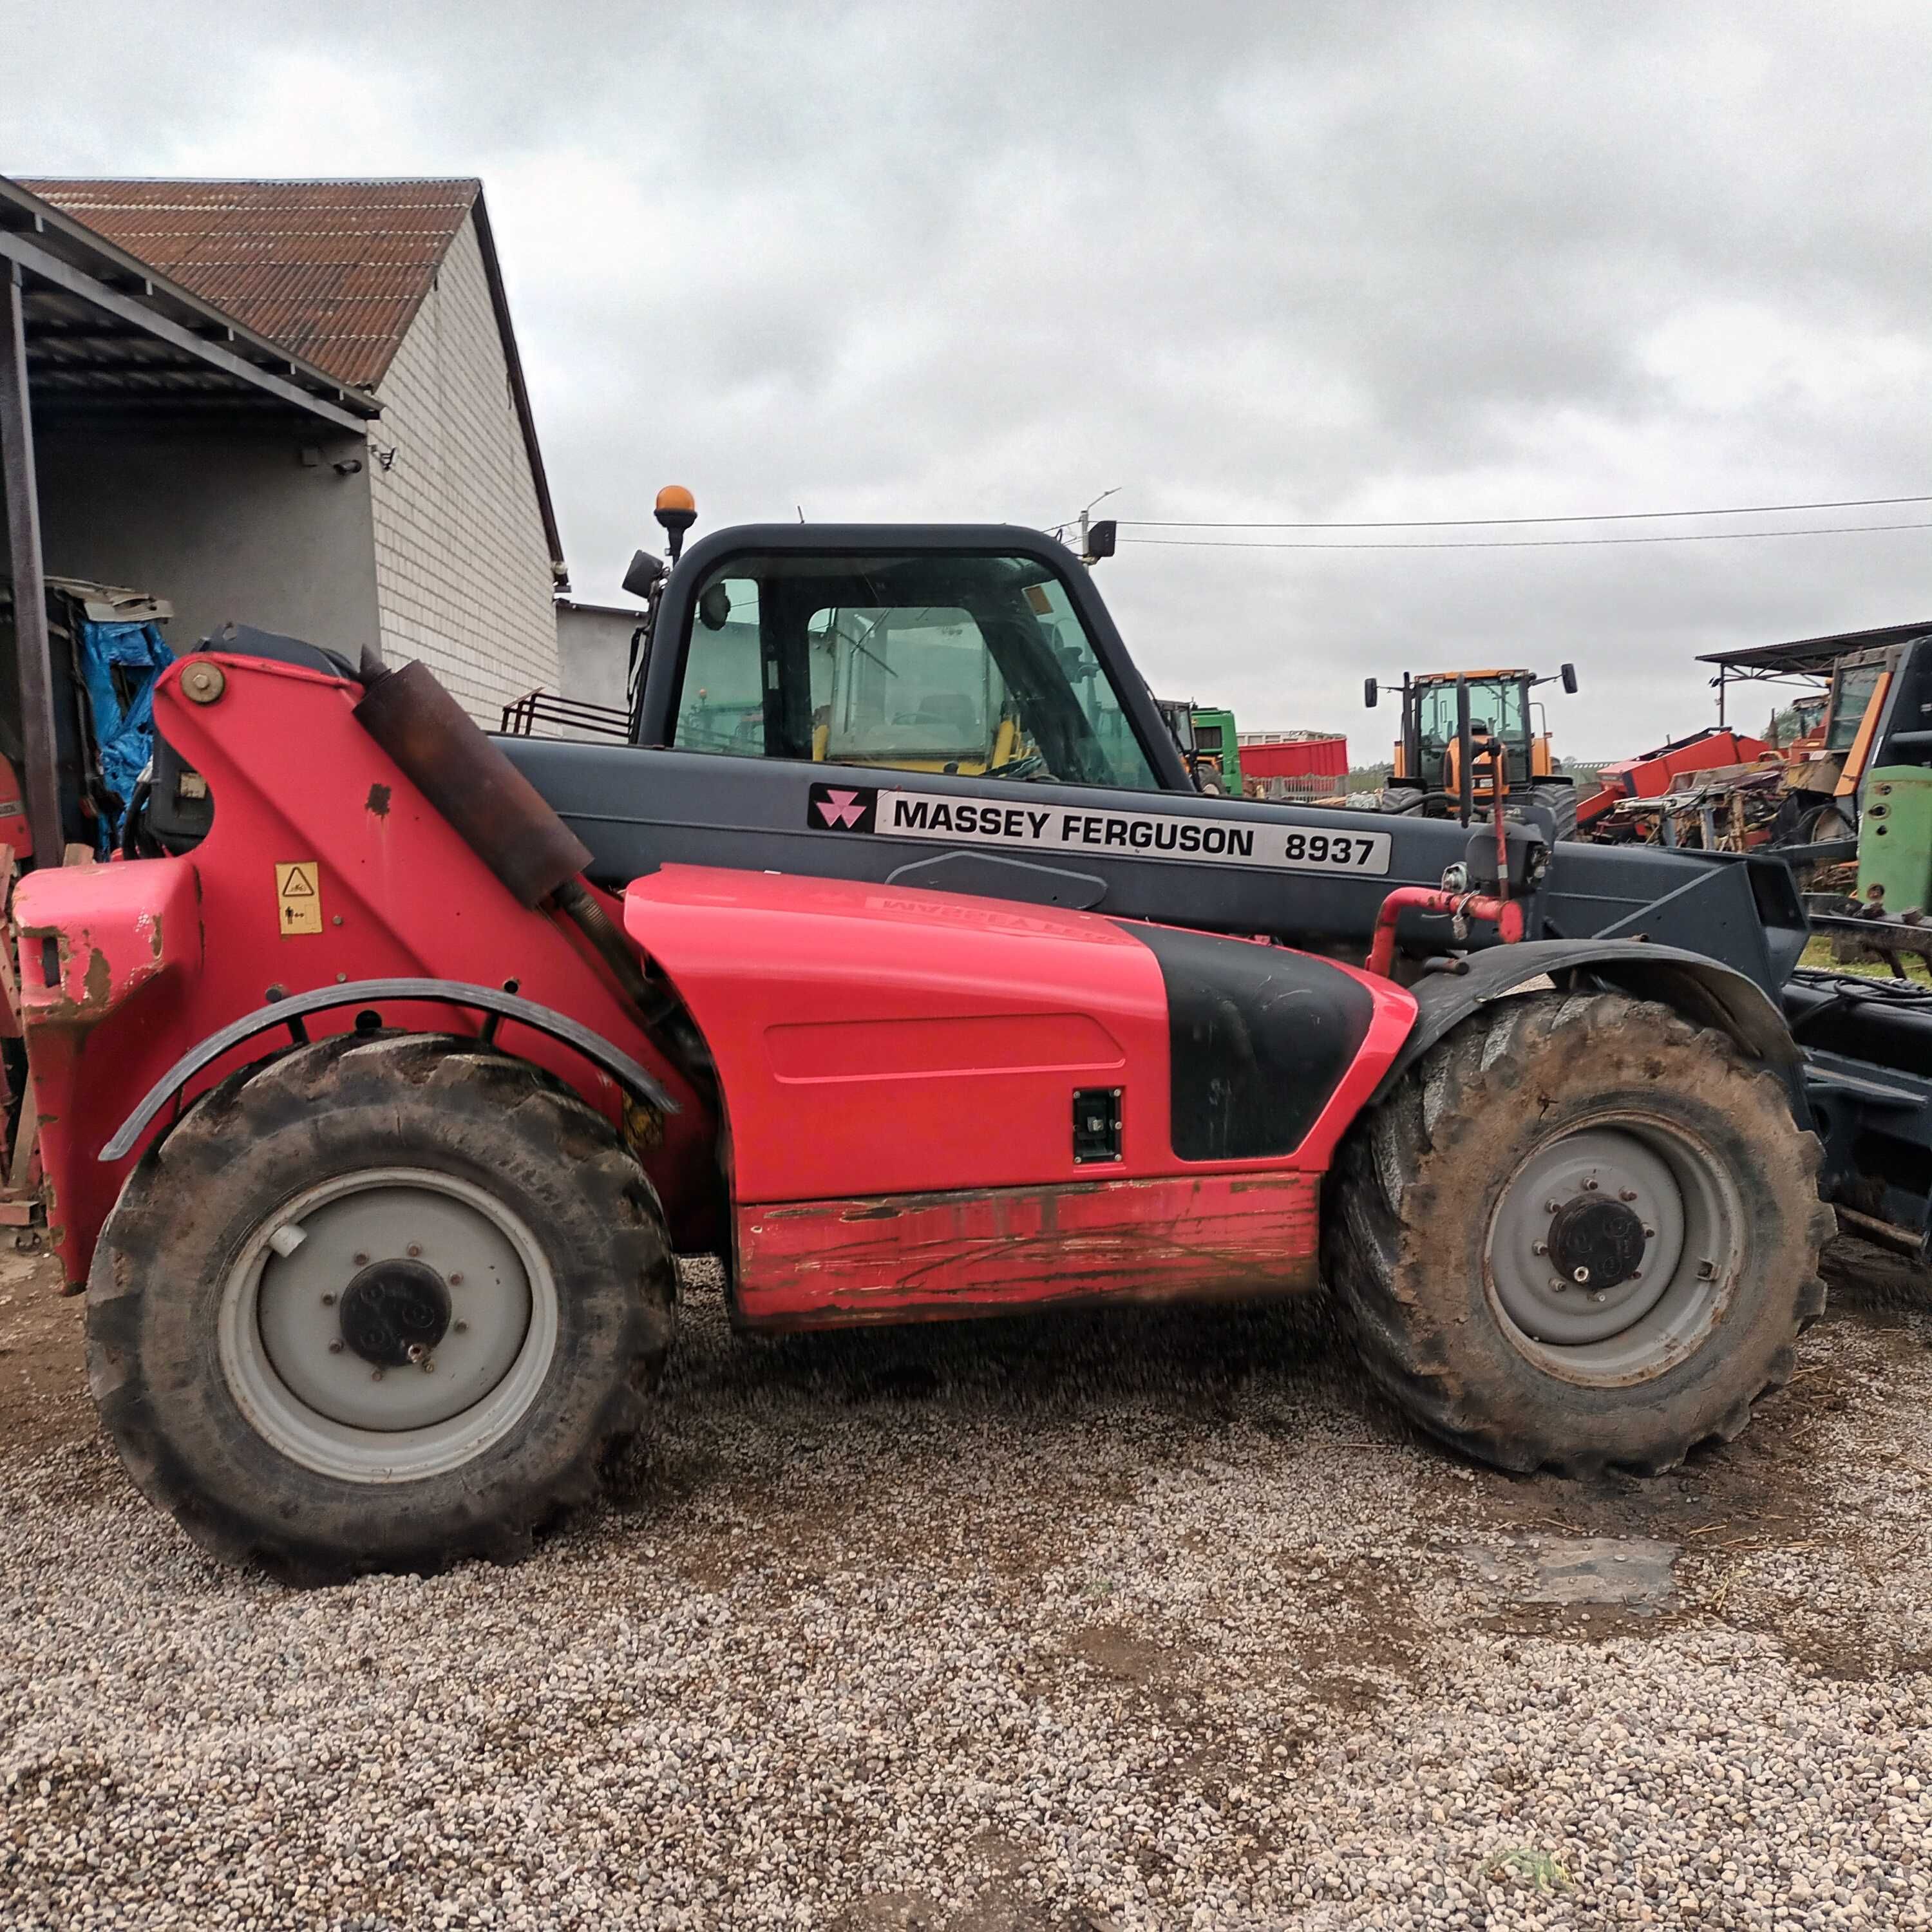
<point x="1207" y="742"/>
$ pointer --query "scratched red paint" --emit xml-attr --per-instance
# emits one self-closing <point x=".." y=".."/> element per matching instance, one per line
<point x="937" y="1255"/>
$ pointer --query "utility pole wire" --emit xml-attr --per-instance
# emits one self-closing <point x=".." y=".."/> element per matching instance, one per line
<point x="1464" y="523"/>
<point x="1526" y="543"/>
<point x="1085" y="513"/>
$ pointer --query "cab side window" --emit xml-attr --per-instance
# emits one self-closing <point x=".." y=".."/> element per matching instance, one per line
<point x="721" y="708"/>
<point x="974" y="665"/>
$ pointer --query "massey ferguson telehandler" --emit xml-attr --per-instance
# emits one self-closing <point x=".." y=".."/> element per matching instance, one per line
<point x="381" y="1080"/>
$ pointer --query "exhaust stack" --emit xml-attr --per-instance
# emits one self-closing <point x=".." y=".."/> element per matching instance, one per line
<point x="500" y="814"/>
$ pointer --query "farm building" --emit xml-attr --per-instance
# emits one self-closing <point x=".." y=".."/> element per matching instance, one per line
<point x="298" y="405"/>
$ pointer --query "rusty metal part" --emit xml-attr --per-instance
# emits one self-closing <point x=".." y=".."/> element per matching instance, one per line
<point x="499" y="813"/>
<point x="579" y="904"/>
<point x="1884" y="1233"/>
<point x="203" y="683"/>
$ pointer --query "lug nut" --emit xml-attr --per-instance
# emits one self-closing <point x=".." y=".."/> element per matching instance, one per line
<point x="417" y="1352"/>
<point x="1589" y="1187"/>
<point x="1597" y="1296"/>
<point x="335" y="1348"/>
<point x="1650" y="1234"/>
<point x="1558" y="1286"/>
<point x="328" y="1301"/>
<point x="414" y="1250"/>
<point x="361" y="1260"/>
<point x="456" y="1281"/>
<point x="461" y="1328"/>
<point x="1551" y="1207"/>
<point x="1627" y="1194"/>
<point x="1580" y="1276"/>
<point x="1539" y="1247"/>
<point x="375" y="1375"/>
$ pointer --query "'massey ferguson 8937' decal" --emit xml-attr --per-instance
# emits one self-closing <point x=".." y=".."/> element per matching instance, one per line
<point x="947" y="818"/>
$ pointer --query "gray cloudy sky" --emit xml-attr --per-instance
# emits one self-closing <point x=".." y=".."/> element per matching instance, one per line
<point x="1267" y="262"/>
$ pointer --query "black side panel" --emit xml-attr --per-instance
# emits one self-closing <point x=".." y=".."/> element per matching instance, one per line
<point x="638" y="808"/>
<point x="1259" y="1039"/>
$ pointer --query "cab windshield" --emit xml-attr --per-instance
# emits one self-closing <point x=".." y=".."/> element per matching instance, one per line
<point x="1495" y="702"/>
<point x="1850" y="700"/>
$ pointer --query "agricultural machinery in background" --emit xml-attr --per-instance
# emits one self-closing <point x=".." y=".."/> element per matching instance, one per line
<point x="1471" y="740"/>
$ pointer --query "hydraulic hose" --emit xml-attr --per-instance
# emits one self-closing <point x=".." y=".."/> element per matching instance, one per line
<point x="579" y="904"/>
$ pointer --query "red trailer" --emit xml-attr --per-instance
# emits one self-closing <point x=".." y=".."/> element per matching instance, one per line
<point x="1293" y="754"/>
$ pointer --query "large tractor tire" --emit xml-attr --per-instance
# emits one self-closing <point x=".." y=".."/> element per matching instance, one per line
<point x="1561" y="800"/>
<point x="382" y="1303"/>
<point x="1580" y="1234"/>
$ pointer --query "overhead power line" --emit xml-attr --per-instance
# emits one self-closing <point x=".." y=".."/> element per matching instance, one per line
<point x="1471" y="522"/>
<point x="1523" y="543"/>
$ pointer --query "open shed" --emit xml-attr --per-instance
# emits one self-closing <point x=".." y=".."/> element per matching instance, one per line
<point x="149" y="440"/>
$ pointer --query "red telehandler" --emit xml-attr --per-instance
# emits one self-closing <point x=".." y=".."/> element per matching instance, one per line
<point x="380" y="1083"/>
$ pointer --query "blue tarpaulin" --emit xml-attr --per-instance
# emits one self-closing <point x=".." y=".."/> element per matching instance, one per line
<point x="119" y="663"/>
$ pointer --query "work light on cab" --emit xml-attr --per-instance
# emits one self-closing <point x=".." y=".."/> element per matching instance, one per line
<point x="676" y="511"/>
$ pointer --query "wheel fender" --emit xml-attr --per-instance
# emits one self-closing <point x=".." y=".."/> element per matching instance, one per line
<point x="1700" y="988"/>
<point x="291" y="1011"/>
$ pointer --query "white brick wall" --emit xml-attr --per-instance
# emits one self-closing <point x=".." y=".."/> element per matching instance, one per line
<point x="463" y="576"/>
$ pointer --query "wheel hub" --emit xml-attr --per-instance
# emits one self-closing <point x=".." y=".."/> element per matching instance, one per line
<point x="1586" y="1238"/>
<point x="1598" y="1244"/>
<point x="389" y="1305"/>
<point x="394" y="1312"/>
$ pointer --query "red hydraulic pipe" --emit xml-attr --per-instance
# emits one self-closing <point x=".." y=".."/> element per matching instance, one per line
<point x="1506" y="915"/>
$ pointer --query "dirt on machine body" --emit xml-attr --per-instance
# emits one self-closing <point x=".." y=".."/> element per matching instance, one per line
<point x="896" y="957"/>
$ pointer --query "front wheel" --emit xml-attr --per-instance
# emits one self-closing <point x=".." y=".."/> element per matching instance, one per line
<point x="1581" y="1234"/>
<point x="381" y="1302"/>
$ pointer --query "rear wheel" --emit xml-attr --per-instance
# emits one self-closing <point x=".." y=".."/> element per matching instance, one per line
<point x="1581" y="1234"/>
<point x="382" y="1303"/>
<point x="1561" y="800"/>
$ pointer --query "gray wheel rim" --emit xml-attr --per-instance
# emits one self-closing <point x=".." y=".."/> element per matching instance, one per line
<point x="1642" y="1194"/>
<point x="388" y="1325"/>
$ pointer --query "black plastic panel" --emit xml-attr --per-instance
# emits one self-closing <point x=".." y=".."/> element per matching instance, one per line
<point x="636" y="808"/>
<point x="1259" y="1038"/>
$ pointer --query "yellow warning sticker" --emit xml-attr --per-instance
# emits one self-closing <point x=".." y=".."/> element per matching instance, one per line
<point x="298" y="889"/>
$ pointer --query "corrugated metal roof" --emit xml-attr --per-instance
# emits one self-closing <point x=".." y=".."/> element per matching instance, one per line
<point x="333" y="270"/>
<point x="1814" y="657"/>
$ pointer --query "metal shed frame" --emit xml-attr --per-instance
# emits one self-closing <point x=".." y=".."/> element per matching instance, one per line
<point x="85" y="327"/>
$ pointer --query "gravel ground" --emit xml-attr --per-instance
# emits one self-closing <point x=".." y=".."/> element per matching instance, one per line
<point x="1155" y="1621"/>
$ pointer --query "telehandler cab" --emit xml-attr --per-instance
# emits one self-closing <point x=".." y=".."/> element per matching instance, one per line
<point x="375" y="1104"/>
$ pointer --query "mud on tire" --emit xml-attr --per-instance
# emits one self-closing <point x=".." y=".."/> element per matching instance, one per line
<point x="1540" y="1140"/>
<point x="223" y="1383"/>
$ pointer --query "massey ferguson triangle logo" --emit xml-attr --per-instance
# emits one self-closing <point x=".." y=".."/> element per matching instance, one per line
<point x="842" y="807"/>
